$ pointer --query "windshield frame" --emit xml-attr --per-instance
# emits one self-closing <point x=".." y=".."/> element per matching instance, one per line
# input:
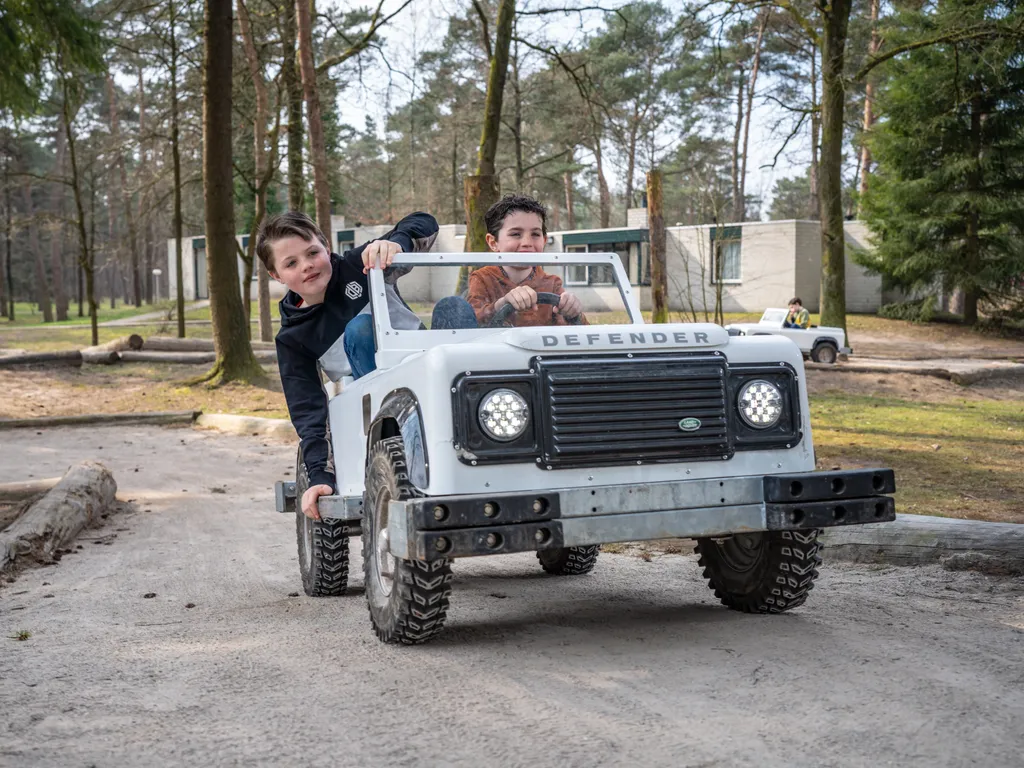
<point x="390" y="340"/>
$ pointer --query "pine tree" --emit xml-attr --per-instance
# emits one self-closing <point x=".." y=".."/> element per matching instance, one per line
<point x="946" y="202"/>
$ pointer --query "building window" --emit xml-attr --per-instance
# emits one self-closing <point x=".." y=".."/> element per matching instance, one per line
<point x="726" y="265"/>
<point x="346" y="245"/>
<point x="576" y="274"/>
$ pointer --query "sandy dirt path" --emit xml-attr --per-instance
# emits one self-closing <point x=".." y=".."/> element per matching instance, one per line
<point x="633" y="665"/>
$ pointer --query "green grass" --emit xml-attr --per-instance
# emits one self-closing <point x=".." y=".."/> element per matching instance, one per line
<point x="954" y="459"/>
<point x="27" y="314"/>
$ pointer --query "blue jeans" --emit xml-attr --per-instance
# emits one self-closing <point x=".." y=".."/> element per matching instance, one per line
<point x="449" y="313"/>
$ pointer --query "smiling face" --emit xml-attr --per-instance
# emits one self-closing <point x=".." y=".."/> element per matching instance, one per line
<point x="521" y="232"/>
<point x="302" y="265"/>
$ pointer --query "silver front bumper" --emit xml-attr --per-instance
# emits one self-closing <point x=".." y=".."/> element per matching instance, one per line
<point x="463" y="526"/>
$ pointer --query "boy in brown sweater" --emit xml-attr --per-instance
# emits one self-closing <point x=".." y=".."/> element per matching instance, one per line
<point x="517" y="224"/>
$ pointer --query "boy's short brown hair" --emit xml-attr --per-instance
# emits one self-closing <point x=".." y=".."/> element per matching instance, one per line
<point x="290" y="224"/>
<point x="510" y="204"/>
<point x="796" y="300"/>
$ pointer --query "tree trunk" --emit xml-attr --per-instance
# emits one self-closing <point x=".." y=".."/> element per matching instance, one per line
<point x="482" y="190"/>
<point x="814" y="203"/>
<point x="517" y="120"/>
<point x="752" y="85"/>
<point x="656" y="223"/>
<point x="603" y="193"/>
<point x="737" y="203"/>
<point x="869" y="115"/>
<point x="262" y="178"/>
<point x="42" y="290"/>
<point x="230" y="334"/>
<point x="8" y="214"/>
<point x="833" y="245"/>
<point x="60" y="293"/>
<point x="972" y="242"/>
<point x="85" y="258"/>
<point x="126" y="198"/>
<point x="456" y="206"/>
<point x="176" y="224"/>
<point x="317" y="143"/>
<point x="631" y="164"/>
<point x="293" y="91"/>
<point x="567" y="183"/>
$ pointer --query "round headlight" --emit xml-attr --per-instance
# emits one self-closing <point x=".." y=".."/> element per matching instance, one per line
<point x="503" y="414"/>
<point x="760" y="404"/>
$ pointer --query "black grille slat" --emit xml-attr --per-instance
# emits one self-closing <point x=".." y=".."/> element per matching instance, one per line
<point x="616" y="411"/>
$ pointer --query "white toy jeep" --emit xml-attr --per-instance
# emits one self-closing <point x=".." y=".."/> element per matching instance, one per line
<point x="561" y="438"/>
<point x="820" y="343"/>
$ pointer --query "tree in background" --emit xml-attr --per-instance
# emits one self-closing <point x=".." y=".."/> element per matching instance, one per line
<point x="482" y="188"/>
<point x="946" y="201"/>
<point x="235" y="361"/>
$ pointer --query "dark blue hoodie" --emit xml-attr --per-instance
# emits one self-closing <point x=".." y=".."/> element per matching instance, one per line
<point x="307" y="332"/>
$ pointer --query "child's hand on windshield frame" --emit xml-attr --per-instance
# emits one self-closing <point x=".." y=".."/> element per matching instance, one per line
<point x="380" y="253"/>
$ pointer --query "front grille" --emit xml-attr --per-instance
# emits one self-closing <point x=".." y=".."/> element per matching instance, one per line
<point x="619" y="411"/>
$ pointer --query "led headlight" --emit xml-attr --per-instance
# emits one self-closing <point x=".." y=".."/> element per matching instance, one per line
<point x="760" y="404"/>
<point x="503" y="414"/>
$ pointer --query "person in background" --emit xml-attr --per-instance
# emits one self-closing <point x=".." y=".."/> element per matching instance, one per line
<point x="798" y="317"/>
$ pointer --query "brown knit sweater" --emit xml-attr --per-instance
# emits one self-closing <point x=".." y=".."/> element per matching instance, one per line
<point x="488" y="284"/>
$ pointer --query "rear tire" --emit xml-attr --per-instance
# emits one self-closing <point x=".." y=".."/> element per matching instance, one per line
<point x="323" y="545"/>
<point x="825" y="352"/>
<point x="569" y="561"/>
<point x="407" y="599"/>
<point x="767" y="572"/>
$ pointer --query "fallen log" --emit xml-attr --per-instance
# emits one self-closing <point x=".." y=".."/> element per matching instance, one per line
<point x="72" y="357"/>
<point x="25" y="489"/>
<point x="55" y="520"/>
<point x="100" y="356"/>
<point x="174" y="344"/>
<point x="920" y="539"/>
<point x="247" y="425"/>
<point x="102" y="419"/>
<point x="146" y="356"/>
<point x="193" y="358"/>
<point x="132" y="341"/>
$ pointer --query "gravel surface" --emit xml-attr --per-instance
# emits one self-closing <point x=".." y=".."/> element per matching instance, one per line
<point x="633" y="665"/>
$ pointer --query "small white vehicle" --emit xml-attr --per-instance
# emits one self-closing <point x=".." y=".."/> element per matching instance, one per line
<point x="820" y="343"/>
<point x="561" y="438"/>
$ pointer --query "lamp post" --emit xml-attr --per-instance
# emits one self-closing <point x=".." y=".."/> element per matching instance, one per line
<point x="156" y="282"/>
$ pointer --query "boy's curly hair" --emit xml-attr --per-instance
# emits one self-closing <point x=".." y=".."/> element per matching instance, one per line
<point x="289" y="224"/>
<point x="510" y="204"/>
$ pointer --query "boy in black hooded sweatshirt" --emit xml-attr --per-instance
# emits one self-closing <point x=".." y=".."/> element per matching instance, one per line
<point x="326" y="292"/>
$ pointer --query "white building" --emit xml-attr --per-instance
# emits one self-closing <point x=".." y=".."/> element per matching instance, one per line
<point x="763" y="264"/>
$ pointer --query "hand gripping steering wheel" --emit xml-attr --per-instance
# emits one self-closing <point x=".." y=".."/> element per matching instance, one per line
<point x="502" y="316"/>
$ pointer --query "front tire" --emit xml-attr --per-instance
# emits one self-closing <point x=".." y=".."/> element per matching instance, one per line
<point x="569" y="561"/>
<point x="767" y="572"/>
<point x="407" y="599"/>
<point x="323" y="545"/>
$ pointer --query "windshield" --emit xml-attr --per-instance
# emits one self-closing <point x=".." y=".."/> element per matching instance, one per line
<point x="524" y="290"/>
<point x="773" y="317"/>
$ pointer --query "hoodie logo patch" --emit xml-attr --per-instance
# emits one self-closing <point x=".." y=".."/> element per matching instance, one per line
<point x="353" y="290"/>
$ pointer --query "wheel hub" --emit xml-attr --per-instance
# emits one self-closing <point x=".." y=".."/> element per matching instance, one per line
<point x="385" y="561"/>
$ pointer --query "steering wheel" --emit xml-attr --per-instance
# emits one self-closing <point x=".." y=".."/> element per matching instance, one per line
<point x="502" y="316"/>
